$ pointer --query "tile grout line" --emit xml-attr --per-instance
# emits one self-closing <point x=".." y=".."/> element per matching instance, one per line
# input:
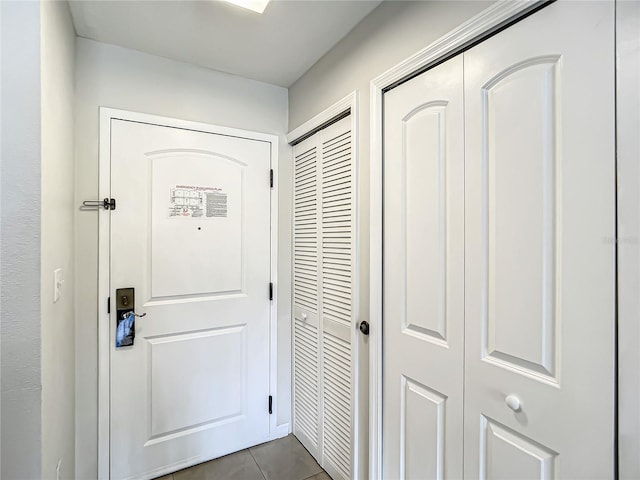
<point x="259" y="467"/>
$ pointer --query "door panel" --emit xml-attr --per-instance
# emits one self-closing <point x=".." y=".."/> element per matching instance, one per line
<point x="424" y="132"/>
<point x="324" y="327"/>
<point x="191" y="235"/>
<point x="520" y="184"/>
<point x="539" y="271"/>
<point x="423" y="276"/>
<point x="508" y="455"/>
<point x="307" y="379"/>
<point x="170" y="356"/>
<point x="187" y="271"/>
<point x="422" y="413"/>
<point x="338" y="329"/>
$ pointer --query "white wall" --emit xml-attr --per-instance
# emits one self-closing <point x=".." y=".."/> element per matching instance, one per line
<point x="120" y="78"/>
<point x="392" y="32"/>
<point x="58" y="353"/>
<point x="20" y="242"/>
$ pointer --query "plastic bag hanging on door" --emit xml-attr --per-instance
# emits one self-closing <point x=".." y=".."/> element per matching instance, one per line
<point x="126" y="331"/>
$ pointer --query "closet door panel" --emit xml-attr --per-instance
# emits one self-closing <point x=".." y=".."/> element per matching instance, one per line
<point x="306" y="292"/>
<point x="521" y="193"/>
<point x="324" y="328"/>
<point x="337" y="298"/>
<point x="509" y="455"/>
<point x="539" y="295"/>
<point x="423" y="317"/>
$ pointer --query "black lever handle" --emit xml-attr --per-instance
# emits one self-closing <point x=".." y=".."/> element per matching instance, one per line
<point x="126" y="314"/>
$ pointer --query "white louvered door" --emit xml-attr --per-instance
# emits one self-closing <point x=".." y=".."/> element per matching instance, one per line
<point x="306" y="364"/>
<point x="324" y="327"/>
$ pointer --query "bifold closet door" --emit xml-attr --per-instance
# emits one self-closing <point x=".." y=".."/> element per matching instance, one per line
<point x="499" y="261"/>
<point x="306" y="296"/>
<point x="324" y="328"/>
<point x="539" y="248"/>
<point x="423" y="331"/>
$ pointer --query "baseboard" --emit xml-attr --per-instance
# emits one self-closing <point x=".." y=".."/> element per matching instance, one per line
<point x="282" y="430"/>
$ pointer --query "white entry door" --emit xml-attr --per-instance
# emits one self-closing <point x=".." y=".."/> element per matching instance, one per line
<point x="539" y="248"/>
<point x="191" y="236"/>
<point x="423" y="331"/>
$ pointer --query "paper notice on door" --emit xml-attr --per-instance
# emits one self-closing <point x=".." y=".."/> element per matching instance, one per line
<point x="192" y="201"/>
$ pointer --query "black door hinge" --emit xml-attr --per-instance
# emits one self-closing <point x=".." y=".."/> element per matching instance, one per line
<point x="271" y="291"/>
<point x="271" y="178"/>
<point x="270" y="404"/>
<point x="109" y="305"/>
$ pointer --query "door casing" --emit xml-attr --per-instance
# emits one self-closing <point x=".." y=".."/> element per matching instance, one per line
<point x="628" y="198"/>
<point x="104" y="173"/>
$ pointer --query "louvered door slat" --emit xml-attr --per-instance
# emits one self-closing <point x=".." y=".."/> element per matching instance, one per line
<point x="337" y="391"/>
<point x="337" y="294"/>
<point x="305" y="384"/>
<point x="305" y="246"/>
<point x="306" y="338"/>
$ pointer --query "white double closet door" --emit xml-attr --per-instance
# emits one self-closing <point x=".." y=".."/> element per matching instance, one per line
<point x="499" y="260"/>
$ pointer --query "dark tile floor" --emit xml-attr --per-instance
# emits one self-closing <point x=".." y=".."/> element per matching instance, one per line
<point x="282" y="459"/>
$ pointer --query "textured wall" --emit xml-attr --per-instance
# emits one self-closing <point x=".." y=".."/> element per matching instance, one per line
<point x="20" y="247"/>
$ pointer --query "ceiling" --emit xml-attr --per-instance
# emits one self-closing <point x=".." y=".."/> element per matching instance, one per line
<point x="276" y="47"/>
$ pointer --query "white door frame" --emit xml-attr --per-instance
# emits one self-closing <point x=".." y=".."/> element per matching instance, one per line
<point x="348" y="104"/>
<point x="627" y="241"/>
<point x="104" y="393"/>
<point x="496" y="17"/>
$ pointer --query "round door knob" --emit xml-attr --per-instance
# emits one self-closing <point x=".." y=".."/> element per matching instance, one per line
<point x="304" y="317"/>
<point x="364" y="327"/>
<point x="513" y="403"/>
